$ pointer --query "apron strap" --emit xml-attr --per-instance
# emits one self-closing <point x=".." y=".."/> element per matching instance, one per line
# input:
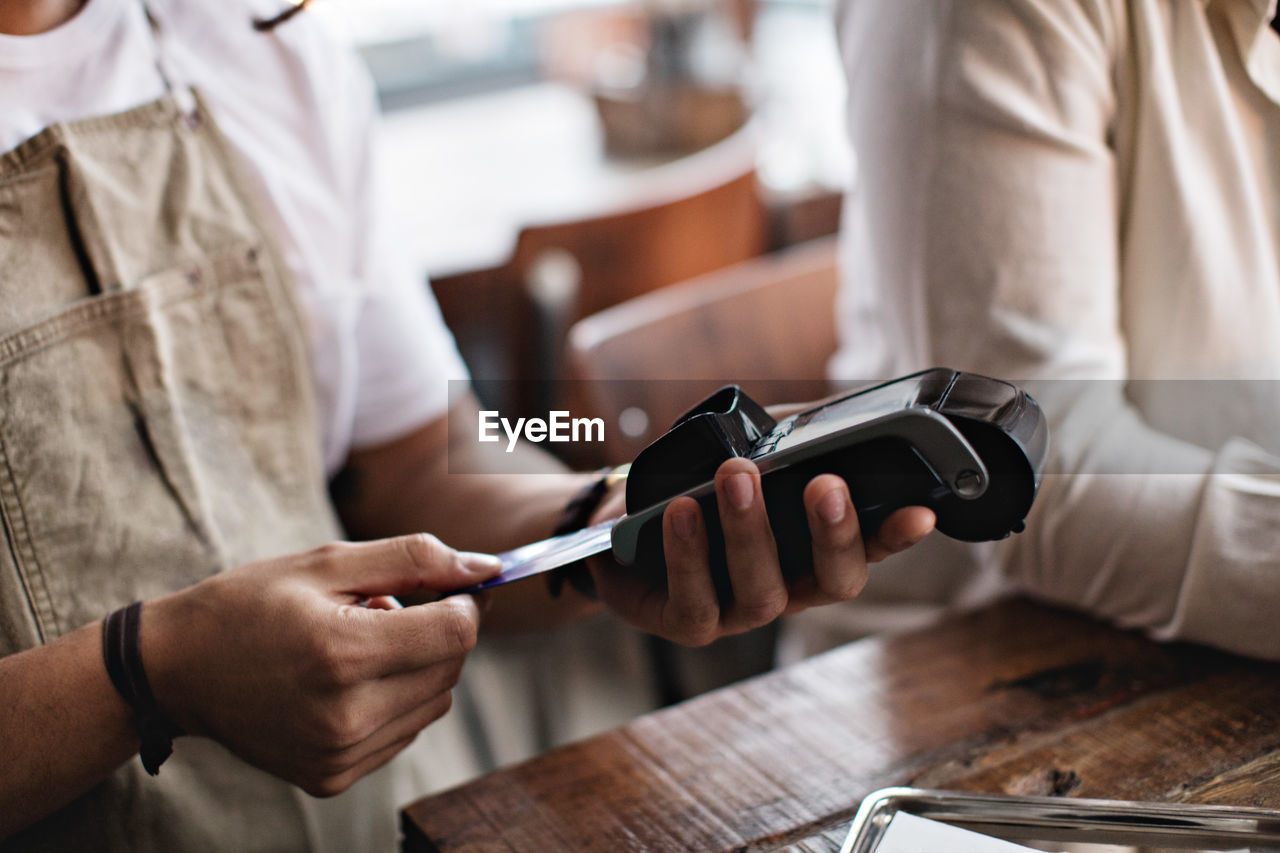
<point x="182" y="95"/>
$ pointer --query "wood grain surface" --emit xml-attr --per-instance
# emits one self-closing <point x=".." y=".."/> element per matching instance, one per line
<point x="1017" y="698"/>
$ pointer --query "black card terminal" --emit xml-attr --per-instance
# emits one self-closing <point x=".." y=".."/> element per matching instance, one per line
<point x="969" y="447"/>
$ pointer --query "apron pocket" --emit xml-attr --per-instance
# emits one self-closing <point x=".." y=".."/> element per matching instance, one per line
<point x="168" y="400"/>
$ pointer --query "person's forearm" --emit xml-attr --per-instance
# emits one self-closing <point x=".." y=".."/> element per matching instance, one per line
<point x="63" y="727"/>
<point x="421" y="483"/>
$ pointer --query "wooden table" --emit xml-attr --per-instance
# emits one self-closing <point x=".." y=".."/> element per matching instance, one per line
<point x="1016" y="699"/>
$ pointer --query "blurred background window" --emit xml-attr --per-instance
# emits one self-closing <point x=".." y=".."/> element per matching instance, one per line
<point x="479" y="96"/>
<point x="624" y="145"/>
<point x="424" y="50"/>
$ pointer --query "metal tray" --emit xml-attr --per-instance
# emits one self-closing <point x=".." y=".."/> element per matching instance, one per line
<point x="1078" y="825"/>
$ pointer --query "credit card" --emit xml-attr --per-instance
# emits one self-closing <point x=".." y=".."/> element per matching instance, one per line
<point x="539" y="557"/>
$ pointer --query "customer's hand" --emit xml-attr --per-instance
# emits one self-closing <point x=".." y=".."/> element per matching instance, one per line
<point x="305" y="666"/>
<point x="686" y="608"/>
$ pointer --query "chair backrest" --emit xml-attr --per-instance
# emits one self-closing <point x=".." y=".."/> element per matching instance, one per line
<point x="687" y="217"/>
<point x="766" y="324"/>
<point x="697" y="216"/>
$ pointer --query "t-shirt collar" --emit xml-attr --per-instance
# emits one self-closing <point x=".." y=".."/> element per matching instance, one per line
<point x="65" y="43"/>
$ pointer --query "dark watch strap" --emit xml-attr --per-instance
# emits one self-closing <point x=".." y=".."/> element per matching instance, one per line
<point x="575" y="516"/>
<point x="122" y="653"/>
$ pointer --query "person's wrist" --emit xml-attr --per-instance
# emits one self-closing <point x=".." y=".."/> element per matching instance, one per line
<point x="166" y="639"/>
<point x="613" y="502"/>
<point x="579" y="512"/>
<point x="123" y="659"/>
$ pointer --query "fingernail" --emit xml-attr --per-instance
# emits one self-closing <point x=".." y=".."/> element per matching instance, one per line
<point x="479" y="564"/>
<point x="831" y="508"/>
<point x="740" y="490"/>
<point x="682" y="523"/>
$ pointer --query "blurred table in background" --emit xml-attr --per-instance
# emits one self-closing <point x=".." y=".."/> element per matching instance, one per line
<point x="1016" y="699"/>
<point x="469" y="172"/>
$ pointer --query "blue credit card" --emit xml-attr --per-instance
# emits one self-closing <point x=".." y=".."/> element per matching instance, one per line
<point x="553" y="553"/>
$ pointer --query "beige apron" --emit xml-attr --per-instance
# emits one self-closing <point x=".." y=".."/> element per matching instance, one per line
<point x="156" y="426"/>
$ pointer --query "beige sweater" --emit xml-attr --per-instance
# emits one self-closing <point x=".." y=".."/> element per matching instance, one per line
<point x="1082" y="193"/>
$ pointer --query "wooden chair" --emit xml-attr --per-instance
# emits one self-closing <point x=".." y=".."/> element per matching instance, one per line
<point x="766" y="324"/>
<point x="688" y="217"/>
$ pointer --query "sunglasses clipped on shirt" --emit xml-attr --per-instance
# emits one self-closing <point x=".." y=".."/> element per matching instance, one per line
<point x="264" y="25"/>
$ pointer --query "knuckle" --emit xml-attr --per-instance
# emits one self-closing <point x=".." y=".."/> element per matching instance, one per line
<point x="764" y="610"/>
<point x="461" y="632"/>
<point x="330" y="553"/>
<point x="326" y="786"/>
<point x="425" y="550"/>
<point x="333" y="662"/>
<point x="334" y="764"/>
<point x="342" y="728"/>
<point x="844" y="585"/>
<point x="443" y="704"/>
<point x="695" y="624"/>
<point x="696" y="637"/>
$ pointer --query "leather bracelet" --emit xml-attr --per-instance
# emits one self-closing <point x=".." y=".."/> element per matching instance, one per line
<point x="575" y="516"/>
<point x="122" y="653"/>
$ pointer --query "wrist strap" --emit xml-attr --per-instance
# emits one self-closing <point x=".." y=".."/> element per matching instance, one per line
<point x="575" y="516"/>
<point x="122" y="653"/>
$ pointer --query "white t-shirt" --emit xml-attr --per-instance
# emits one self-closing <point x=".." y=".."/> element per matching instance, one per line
<point x="301" y="111"/>
<point x="1085" y="192"/>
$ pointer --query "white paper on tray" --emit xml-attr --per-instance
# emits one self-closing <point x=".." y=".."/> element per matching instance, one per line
<point x="910" y="834"/>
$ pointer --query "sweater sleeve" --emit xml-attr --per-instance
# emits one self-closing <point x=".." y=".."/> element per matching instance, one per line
<point x="984" y="234"/>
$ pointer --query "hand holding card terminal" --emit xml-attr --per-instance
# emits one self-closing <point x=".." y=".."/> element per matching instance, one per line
<point x="970" y="448"/>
